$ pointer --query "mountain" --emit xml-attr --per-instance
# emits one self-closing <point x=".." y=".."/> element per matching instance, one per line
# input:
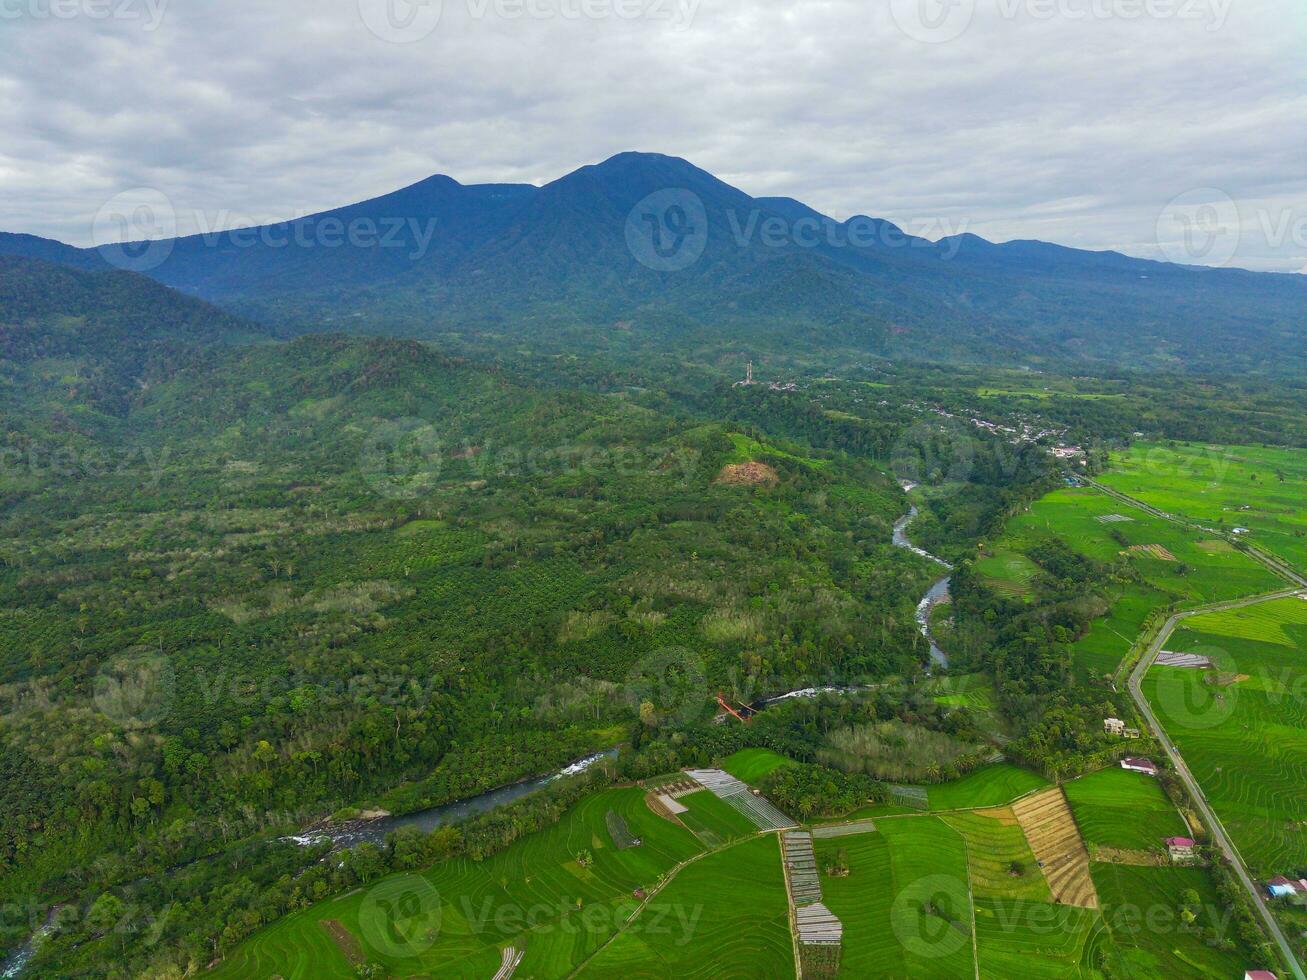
<point x="76" y="343"/>
<point x="672" y="253"/>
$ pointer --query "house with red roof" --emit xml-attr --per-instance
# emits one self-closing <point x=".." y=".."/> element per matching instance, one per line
<point x="1146" y="766"/>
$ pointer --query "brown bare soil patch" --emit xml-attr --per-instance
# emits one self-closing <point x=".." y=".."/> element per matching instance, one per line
<point x="1119" y="855"/>
<point x="1003" y="814"/>
<point x="1153" y="551"/>
<point x="345" y="940"/>
<point x="1055" y="840"/>
<point x="748" y="474"/>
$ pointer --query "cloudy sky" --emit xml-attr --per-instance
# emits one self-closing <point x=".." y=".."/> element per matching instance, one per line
<point x="1138" y="125"/>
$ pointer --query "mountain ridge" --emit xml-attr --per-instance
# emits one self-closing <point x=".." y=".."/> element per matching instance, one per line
<point x="652" y="240"/>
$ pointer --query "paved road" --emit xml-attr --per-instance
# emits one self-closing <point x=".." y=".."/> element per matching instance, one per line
<point x="1213" y="823"/>
<point x="1273" y="562"/>
<point x="1222" y="838"/>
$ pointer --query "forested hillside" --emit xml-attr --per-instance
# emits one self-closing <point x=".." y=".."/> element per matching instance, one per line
<point x="345" y="572"/>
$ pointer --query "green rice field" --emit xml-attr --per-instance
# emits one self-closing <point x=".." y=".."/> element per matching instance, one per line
<point x="726" y="915"/>
<point x="456" y="917"/>
<point x="1198" y="573"/>
<point x="1035" y="940"/>
<point x="1099" y="652"/>
<point x="1245" y="740"/>
<point x="1121" y="809"/>
<point x="1141" y="908"/>
<point x="1215" y="485"/>
<point x="713" y="820"/>
<point x="995" y="842"/>
<point x="904" y="904"/>
<point x="996" y="784"/>
<point x="1175" y="565"/>
<point x="753" y="765"/>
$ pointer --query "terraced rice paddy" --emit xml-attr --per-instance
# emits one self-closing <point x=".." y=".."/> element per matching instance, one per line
<point x="1214" y="485"/>
<point x="1051" y="830"/>
<point x="1121" y="809"/>
<point x="725" y="915"/>
<point x="1034" y="940"/>
<point x="536" y="896"/>
<point x="904" y="905"/>
<point x="1141" y="908"/>
<point x="1008" y="572"/>
<point x="712" y="820"/>
<point x="995" y="844"/>
<point x="975" y="692"/>
<point x="992" y="785"/>
<point x="1191" y="571"/>
<point x="1245" y="741"/>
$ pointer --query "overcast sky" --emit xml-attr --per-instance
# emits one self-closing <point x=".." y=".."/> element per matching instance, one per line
<point x="1138" y="125"/>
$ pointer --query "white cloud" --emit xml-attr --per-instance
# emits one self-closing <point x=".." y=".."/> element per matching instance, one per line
<point x="1077" y="126"/>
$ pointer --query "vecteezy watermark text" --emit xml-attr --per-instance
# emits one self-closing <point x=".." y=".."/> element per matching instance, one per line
<point x="941" y="21"/>
<point x="410" y="21"/>
<point x="150" y="12"/>
<point x="137" y="230"/>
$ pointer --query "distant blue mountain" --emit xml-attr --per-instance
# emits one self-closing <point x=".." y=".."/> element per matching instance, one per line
<point x="654" y="241"/>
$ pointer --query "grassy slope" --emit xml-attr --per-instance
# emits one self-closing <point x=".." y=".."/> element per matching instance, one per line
<point x="751" y="765"/>
<point x="992" y="785"/>
<point x="1249" y="749"/>
<point x="1116" y="808"/>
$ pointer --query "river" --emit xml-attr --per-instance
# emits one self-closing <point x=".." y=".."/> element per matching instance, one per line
<point x="938" y="591"/>
<point x="375" y="831"/>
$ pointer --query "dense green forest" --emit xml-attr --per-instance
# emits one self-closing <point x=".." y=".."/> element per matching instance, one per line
<point x="248" y="584"/>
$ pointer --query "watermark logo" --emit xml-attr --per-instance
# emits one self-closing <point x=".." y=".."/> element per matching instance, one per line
<point x="934" y="453"/>
<point x="933" y="21"/>
<point x="400" y="917"/>
<point x="134" y="689"/>
<point x="671" y="683"/>
<point x="1199" y="698"/>
<point x="401" y="459"/>
<point x="1199" y="227"/>
<point x="401" y="21"/>
<point x="135" y="230"/>
<point x="931" y="916"/>
<point x="668" y="230"/>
